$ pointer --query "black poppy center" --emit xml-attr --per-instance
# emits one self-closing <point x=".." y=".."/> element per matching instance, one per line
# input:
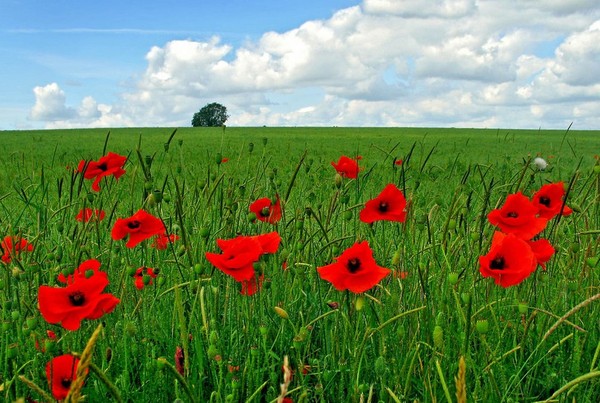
<point x="545" y="201"/>
<point x="135" y="224"/>
<point x="512" y="214"/>
<point x="383" y="207"/>
<point x="77" y="298"/>
<point x="497" y="263"/>
<point x="353" y="265"/>
<point x="103" y="166"/>
<point x="66" y="383"/>
<point x="264" y="212"/>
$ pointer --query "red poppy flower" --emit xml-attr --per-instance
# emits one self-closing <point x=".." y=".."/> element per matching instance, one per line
<point x="61" y="371"/>
<point x="179" y="361"/>
<point x="12" y="246"/>
<point x="86" y="269"/>
<point x="542" y="250"/>
<point x="347" y="167"/>
<point x="88" y="214"/>
<point x="518" y="216"/>
<point x="390" y="205"/>
<point x="269" y="243"/>
<point x="139" y="276"/>
<point x="110" y="164"/>
<point x="82" y="299"/>
<point x="240" y="254"/>
<point x="266" y="210"/>
<point x="509" y="261"/>
<point x="224" y="160"/>
<point x="161" y="242"/>
<point x="238" y="257"/>
<point x="549" y="200"/>
<point x="139" y="226"/>
<point x="354" y="270"/>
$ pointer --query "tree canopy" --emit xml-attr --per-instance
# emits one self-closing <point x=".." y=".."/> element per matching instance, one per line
<point x="210" y="115"/>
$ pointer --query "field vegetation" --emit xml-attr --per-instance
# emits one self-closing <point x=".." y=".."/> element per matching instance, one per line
<point x="432" y="329"/>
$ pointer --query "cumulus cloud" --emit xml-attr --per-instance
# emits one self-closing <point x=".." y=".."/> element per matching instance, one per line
<point x="385" y="63"/>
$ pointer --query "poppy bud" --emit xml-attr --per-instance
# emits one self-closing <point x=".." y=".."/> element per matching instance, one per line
<point x="131" y="329"/>
<point x="359" y="304"/>
<point x="90" y="197"/>
<point x="453" y="278"/>
<point x="263" y="330"/>
<point x="452" y="224"/>
<point x="166" y="147"/>
<point x="204" y="232"/>
<point x="347" y="215"/>
<point x="158" y="195"/>
<point x="146" y="279"/>
<point x="131" y="271"/>
<point x="212" y="351"/>
<point x="338" y="180"/>
<point x="281" y="313"/>
<point x="396" y="258"/>
<point x="333" y="304"/>
<point x="15" y="315"/>
<point x="60" y="227"/>
<point x="596" y="169"/>
<point x="213" y="337"/>
<point x="250" y="147"/>
<point x="198" y="269"/>
<point x="264" y="141"/>
<point x="166" y="197"/>
<point x="89" y="273"/>
<point x="465" y="297"/>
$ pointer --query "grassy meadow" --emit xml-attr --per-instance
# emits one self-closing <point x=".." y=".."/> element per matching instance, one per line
<point x="433" y="330"/>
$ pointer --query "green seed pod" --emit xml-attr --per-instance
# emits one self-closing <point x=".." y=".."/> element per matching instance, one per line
<point x="453" y="278"/>
<point x="263" y="330"/>
<point x="482" y="326"/>
<point x="198" y="269"/>
<point x="596" y="169"/>
<point x="592" y="261"/>
<point x="166" y="197"/>
<point x="15" y="315"/>
<point x="157" y="194"/>
<point x="523" y="307"/>
<point x="348" y="215"/>
<point x="213" y="337"/>
<point x="396" y="258"/>
<point x="148" y="185"/>
<point x="452" y="224"/>
<point x="466" y="297"/>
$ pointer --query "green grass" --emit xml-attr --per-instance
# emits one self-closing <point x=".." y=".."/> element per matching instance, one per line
<point x="401" y="341"/>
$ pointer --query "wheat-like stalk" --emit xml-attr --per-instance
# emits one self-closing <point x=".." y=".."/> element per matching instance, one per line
<point x="461" y="381"/>
<point x="74" y="394"/>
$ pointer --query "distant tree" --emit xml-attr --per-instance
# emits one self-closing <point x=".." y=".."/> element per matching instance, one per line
<point x="211" y="115"/>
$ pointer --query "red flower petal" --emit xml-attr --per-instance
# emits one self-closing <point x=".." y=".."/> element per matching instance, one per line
<point x="390" y="205"/>
<point x="354" y="270"/>
<point x="518" y="216"/>
<point x="509" y="261"/>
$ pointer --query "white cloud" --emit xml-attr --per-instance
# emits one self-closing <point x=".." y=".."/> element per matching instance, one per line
<point x="386" y="62"/>
<point x="50" y="104"/>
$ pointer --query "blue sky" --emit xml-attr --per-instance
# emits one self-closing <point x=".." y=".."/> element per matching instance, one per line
<point x="468" y="63"/>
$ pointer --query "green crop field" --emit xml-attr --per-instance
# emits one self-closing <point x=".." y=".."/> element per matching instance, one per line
<point x="241" y="305"/>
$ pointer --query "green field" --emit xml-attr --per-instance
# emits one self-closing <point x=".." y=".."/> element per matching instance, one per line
<point x="402" y="340"/>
